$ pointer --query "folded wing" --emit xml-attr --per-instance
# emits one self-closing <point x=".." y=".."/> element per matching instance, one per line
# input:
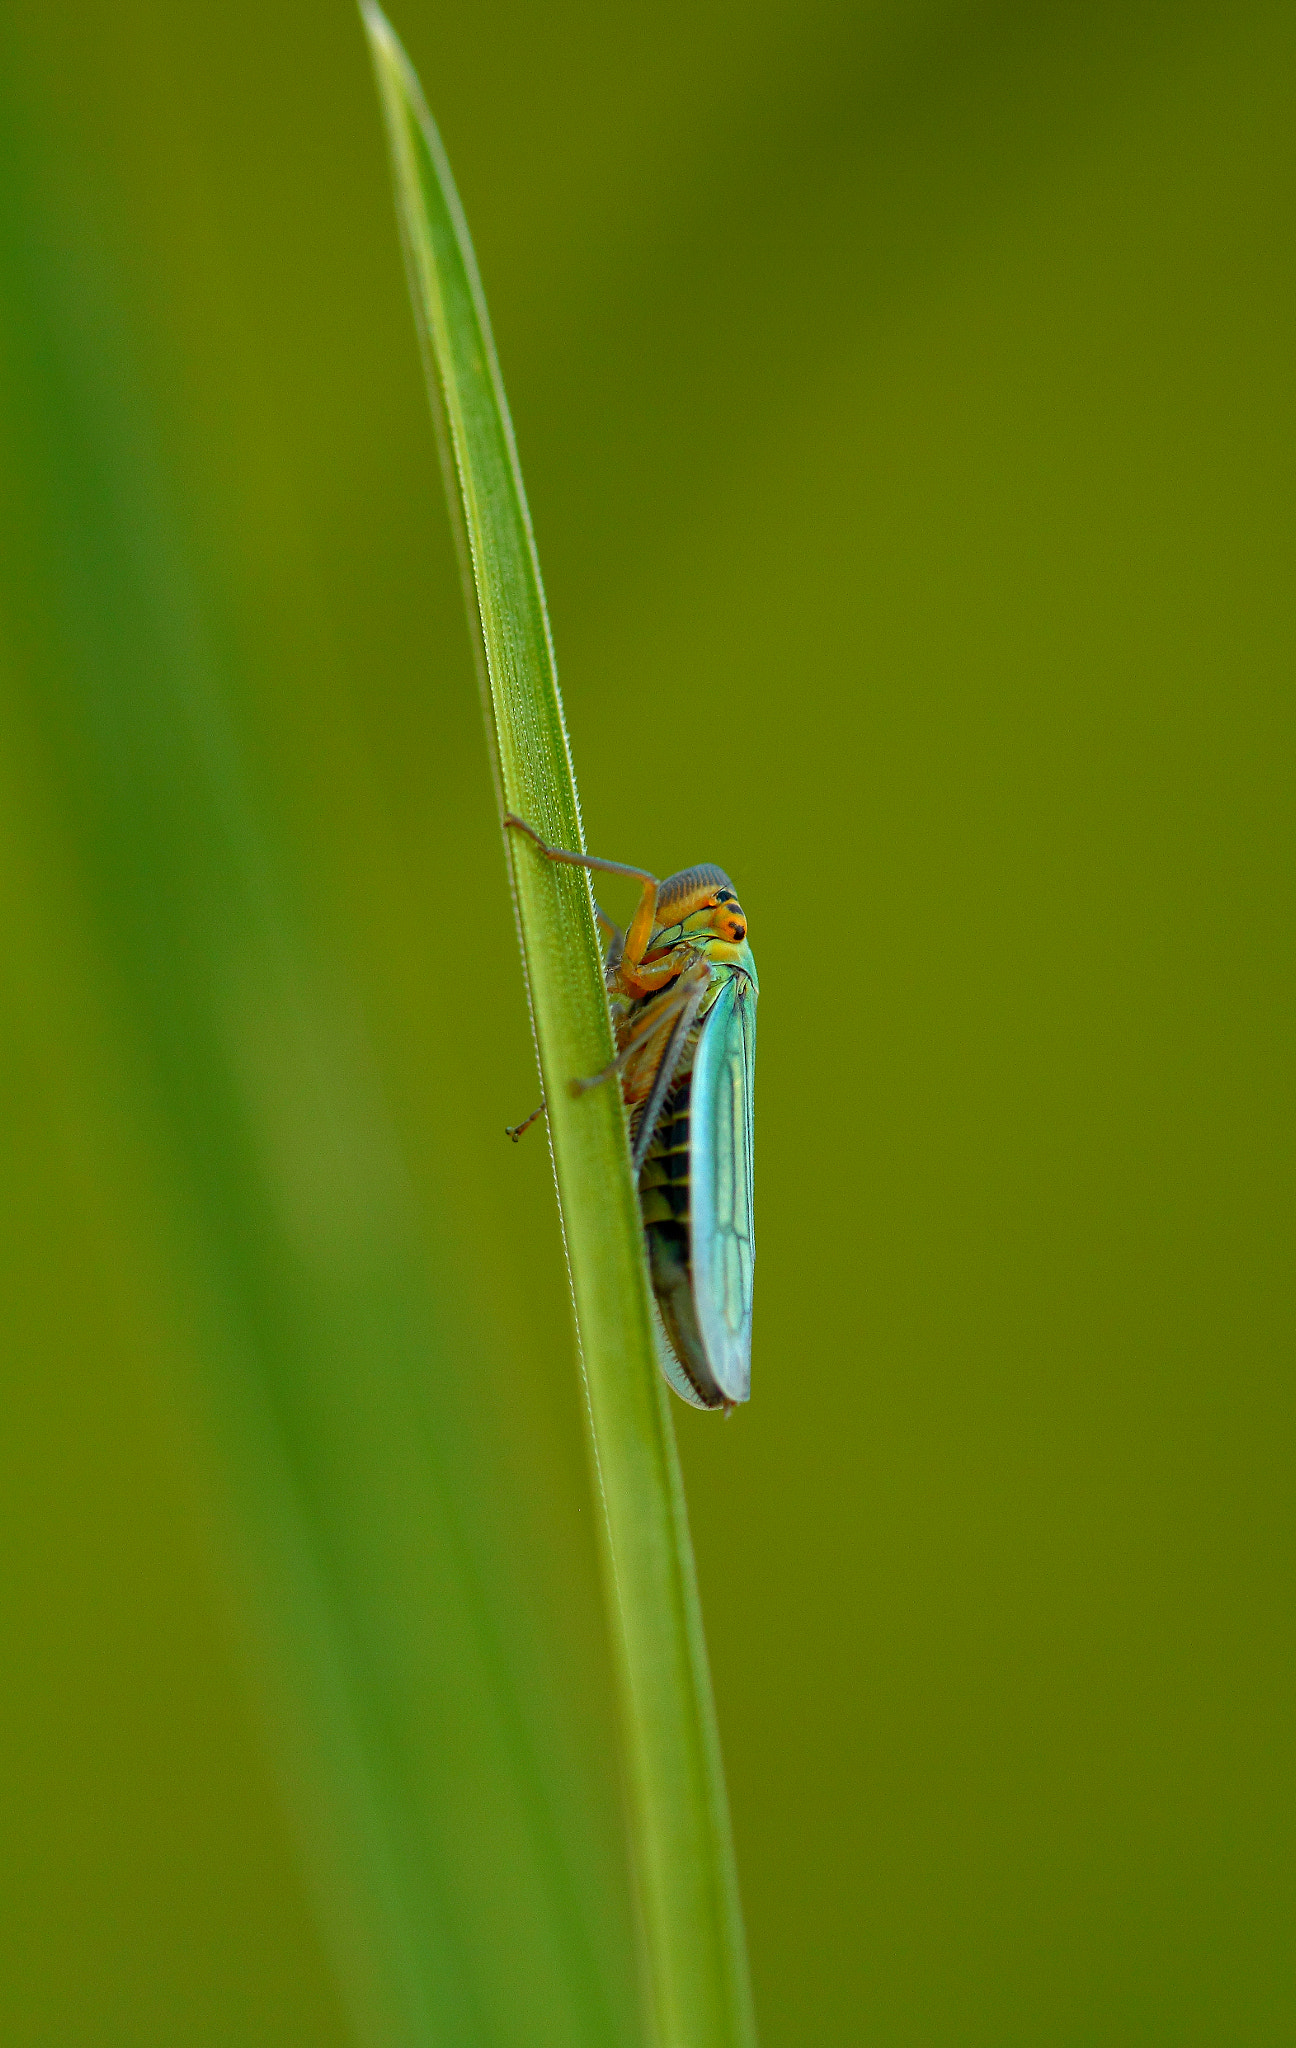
<point x="723" y="1238"/>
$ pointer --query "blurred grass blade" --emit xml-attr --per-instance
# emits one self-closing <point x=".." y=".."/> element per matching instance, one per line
<point x="683" y="1854"/>
<point x="365" y="1545"/>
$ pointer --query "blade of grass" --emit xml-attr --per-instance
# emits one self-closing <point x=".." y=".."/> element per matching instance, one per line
<point x="683" y="1856"/>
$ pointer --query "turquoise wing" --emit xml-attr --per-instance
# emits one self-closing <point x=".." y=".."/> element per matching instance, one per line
<point x="723" y="1237"/>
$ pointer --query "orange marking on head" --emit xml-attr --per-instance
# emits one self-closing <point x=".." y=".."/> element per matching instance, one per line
<point x="702" y="900"/>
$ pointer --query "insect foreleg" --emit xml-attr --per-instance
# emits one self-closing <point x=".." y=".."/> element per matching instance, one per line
<point x="636" y="939"/>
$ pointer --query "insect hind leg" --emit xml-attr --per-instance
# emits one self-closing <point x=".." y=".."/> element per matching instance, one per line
<point x="515" y="1131"/>
<point x="691" y="1001"/>
<point x="655" y="1022"/>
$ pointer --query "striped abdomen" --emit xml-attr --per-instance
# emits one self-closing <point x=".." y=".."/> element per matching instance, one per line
<point x="664" y="1198"/>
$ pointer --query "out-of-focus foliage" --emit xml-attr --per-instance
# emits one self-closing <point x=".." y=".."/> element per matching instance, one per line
<point x="904" y="396"/>
<point x="209" y="1173"/>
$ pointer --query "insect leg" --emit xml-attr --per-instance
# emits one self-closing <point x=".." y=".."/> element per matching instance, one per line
<point x="642" y="923"/>
<point x="650" y="1024"/>
<point x="515" y="1131"/>
<point x="579" y="860"/>
<point x="665" y="1074"/>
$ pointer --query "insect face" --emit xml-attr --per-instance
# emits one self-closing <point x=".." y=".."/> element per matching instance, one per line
<point x="699" y="903"/>
<point x="721" y="915"/>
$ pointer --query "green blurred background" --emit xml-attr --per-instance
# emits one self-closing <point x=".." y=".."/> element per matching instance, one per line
<point x="904" y="395"/>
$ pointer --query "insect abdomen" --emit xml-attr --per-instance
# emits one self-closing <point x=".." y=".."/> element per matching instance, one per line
<point x="664" y="1175"/>
<point x="664" y="1197"/>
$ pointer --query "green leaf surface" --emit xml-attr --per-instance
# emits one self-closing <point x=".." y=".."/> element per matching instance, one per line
<point x="697" y="1989"/>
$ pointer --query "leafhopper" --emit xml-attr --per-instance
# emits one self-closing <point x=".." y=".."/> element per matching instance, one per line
<point x="682" y="986"/>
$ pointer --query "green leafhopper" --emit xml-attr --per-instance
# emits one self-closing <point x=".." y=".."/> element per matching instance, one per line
<point x="682" y="984"/>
